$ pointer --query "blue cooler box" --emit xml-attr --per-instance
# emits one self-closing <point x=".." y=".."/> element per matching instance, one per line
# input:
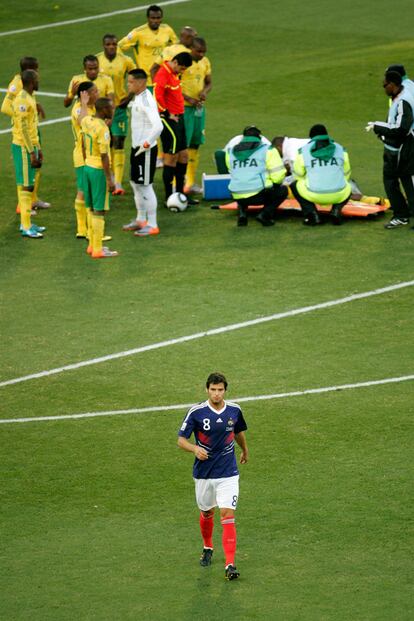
<point x="216" y="187"/>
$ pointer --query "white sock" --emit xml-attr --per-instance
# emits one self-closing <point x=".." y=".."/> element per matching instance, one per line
<point x="145" y="196"/>
<point x="151" y="202"/>
<point x="139" y="202"/>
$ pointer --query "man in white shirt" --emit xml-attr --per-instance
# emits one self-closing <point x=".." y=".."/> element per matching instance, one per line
<point x="288" y="149"/>
<point x="146" y="126"/>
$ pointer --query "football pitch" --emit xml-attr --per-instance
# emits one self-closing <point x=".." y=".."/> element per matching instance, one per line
<point x="312" y="327"/>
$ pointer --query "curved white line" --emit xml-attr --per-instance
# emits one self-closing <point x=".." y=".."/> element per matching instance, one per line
<point x="212" y="332"/>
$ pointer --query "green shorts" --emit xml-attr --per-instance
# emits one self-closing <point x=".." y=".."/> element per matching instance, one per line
<point x="195" y="122"/>
<point x="95" y="189"/>
<point x="80" y="174"/>
<point x="119" y="125"/>
<point x="25" y="174"/>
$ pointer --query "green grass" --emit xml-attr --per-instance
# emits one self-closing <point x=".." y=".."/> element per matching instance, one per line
<point x="98" y="515"/>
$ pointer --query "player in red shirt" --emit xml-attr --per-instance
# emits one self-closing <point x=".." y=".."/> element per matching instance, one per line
<point x="170" y="100"/>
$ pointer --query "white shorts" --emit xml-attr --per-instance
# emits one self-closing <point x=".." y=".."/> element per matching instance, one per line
<point x="222" y="493"/>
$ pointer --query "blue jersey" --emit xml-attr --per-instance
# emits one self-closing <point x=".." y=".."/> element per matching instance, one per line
<point x="214" y="430"/>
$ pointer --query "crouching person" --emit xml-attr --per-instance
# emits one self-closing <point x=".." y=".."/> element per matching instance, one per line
<point x="256" y="171"/>
<point x="323" y="173"/>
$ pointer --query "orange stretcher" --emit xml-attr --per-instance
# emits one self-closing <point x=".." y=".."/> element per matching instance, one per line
<point x="352" y="209"/>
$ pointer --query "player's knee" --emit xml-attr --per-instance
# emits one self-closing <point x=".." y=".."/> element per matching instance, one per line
<point x="226" y="513"/>
<point x="170" y="159"/>
<point x="118" y="142"/>
<point x="182" y="157"/>
<point x="208" y="513"/>
<point x="28" y="188"/>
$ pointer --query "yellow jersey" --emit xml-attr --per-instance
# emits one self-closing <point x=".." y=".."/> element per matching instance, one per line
<point x="24" y="129"/>
<point x="13" y="90"/>
<point x="97" y="140"/>
<point x="170" y="51"/>
<point x="148" y="44"/>
<point x="102" y="82"/>
<point x="117" y="69"/>
<point x="78" y="159"/>
<point x="192" y="80"/>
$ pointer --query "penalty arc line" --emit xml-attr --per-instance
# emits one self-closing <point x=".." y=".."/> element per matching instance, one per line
<point x="86" y="19"/>
<point x="211" y="332"/>
<point x="184" y="406"/>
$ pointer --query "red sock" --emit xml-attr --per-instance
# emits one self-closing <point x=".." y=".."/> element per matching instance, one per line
<point x="206" y="527"/>
<point x="229" y="539"/>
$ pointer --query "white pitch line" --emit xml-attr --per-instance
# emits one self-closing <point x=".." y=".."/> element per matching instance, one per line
<point x="44" y="93"/>
<point x="87" y="19"/>
<point x="184" y="406"/>
<point x="212" y="332"/>
<point x="51" y="122"/>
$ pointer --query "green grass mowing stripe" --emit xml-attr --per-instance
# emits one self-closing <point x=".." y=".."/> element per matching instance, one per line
<point x="211" y="332"/>
<point x="183" y="406"/>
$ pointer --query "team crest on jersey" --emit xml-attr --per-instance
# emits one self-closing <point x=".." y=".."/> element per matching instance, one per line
<point x="13" y="88"/>
<point x="106" y="135"/>
<point x="230" y="425"/>
<point x="22" y="108"/>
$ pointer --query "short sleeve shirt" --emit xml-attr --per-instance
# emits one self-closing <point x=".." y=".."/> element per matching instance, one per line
<point x="117" y="69"/>
<point x="193" y="79"/>
<point x="25" y="121"/>
<point x="97" y="140"/>
<point x="77" y="136"/>
<point x="214" y="431"/>
<point x="102" y="82"/>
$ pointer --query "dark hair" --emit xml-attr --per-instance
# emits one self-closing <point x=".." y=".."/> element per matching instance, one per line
<point x="28" y="62"/>
<point x="184" y="59"/>
<point x="278" y="141"/>
<point x="29" y="76"/>
<point x="84" y="86"/>
<point x="102" y="103"/>
<point x="109" y="36"/>
<point x="138" y="74"/>
<point x="252" y="130"/>
<point x="154" y="8"/>
<point x="216" y="378"/>
<point x="199" y="41"/>
<point x="89" y="58"/>
<point x="393" y="77"/>
<point x="317" y="130"/>
<point x="398" y="68"/>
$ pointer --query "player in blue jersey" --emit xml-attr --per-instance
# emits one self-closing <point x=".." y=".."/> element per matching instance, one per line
<point x="216" y="424"/>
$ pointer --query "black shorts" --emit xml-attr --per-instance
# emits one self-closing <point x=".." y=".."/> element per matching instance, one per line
<point x="173" y="136"/>
<point x="143" y="166"/>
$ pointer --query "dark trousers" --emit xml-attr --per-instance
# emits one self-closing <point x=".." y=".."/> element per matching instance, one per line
<point x="309" y="208"/>
<point x="270" y="198"/>
<point x="402" y="206"/>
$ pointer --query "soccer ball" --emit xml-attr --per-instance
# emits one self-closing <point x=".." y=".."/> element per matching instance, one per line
<point x="177" y="202"/>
